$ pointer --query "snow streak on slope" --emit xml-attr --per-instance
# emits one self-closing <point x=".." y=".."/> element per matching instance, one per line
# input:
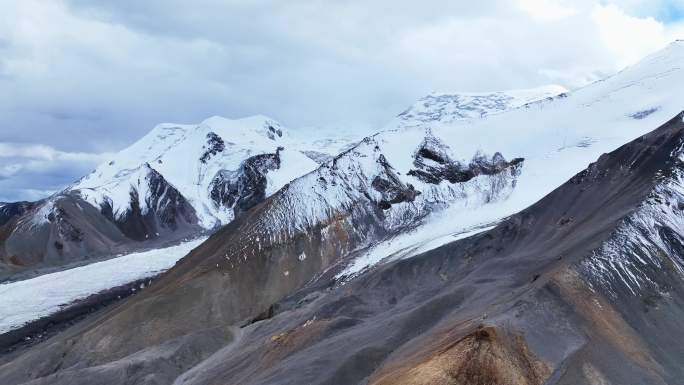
<point x="435" y="233"/>
<point x="25" y="301"/>
<point x="644" y="242"/>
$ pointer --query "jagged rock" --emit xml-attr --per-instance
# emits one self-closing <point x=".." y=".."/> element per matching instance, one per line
<point x="214" y="145"/>
<point x="242" y="189"/>
<point x="392" y="189"/>
<point x="272" y="132"/>
<point x="434" y="165"/>
<point x="155" y="208"/>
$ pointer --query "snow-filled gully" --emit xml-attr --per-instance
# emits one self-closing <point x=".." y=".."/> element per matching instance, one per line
<point x="25" y="301"/>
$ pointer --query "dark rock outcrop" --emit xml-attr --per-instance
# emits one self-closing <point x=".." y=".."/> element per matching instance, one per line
<point x="393" y="190"/>
<point x="246" y="187"/>
<point x="65" y="229"/>
<point x="165" y="211"/>
<point x="273" y="132"/>
<point x="55" y="232"/>
<point x="434" y="165"/>
<point x="214" y="146"/>
<point x="12" y="210"/>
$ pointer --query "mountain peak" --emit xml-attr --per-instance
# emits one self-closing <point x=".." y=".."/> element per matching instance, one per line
<point x="255" y="123"/>
<point x="194" y="158"/>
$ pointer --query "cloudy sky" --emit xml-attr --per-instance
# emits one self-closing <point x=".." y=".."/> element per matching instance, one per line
<point x="81" y="78"/>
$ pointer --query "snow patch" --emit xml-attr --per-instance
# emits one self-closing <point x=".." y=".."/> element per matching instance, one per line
<point x="438" y="229"/>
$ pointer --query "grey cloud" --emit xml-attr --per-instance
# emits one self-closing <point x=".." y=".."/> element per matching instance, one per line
<point x="32" y="171"/>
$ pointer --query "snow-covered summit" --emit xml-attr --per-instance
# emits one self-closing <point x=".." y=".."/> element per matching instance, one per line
<point x="190" y="158"/>
<point x="174" y="183"/>
<point x="449" y="107"/>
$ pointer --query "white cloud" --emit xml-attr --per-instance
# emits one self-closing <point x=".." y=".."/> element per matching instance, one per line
<point x="547" y="10"/>
<point x="630" y="38"/>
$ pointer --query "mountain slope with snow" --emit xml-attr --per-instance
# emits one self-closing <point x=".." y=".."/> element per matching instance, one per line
<point x="177" y="181"/>
<point x="482" y="170"/>
<point x="558" y="137"/>
<point x="514" y="305"/>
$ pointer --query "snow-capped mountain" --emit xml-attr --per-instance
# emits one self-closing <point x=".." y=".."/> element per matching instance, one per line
<point x="175" y="182"/>
<point x="215" y="165"/>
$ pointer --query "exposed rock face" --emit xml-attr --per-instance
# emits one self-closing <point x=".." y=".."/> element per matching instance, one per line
<point x="273" y="132"/>
<point x="55" y="231"/>
<point x="525" y="303"/>
<point x="66" y="229"/>
<point x="155" y="208"/>
<point x="433" y="164"/>
<point x="214" y="145"/>
<point x="11" y="210"/>
<point x="242" y="189"/>
<point x="480" y="358"/>
<point x="391" y="188"/>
